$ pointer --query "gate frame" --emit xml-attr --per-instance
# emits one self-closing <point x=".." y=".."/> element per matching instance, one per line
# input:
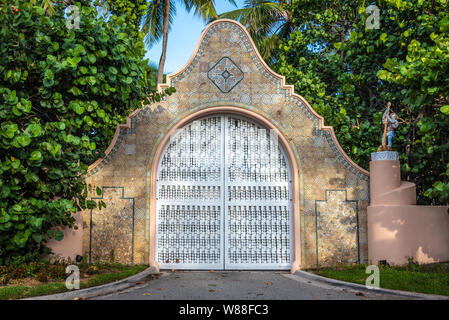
<point x="294" y="169"/>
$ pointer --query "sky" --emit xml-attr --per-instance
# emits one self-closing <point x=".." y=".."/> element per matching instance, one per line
<point x="184" y="35"/>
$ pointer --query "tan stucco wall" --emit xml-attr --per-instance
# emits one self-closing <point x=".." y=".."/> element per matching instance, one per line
<point x="333" y="192"/>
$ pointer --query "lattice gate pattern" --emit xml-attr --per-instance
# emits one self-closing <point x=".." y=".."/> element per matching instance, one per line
<point x="258" y="199"/>
<point x="223" y="198"/>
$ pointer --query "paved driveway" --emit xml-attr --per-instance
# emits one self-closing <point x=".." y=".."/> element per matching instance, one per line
<point x="244" y="285"/>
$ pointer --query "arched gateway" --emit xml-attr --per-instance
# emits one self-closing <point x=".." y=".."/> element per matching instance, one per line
<point x="224" y="197"/>
<point x="233" y="171"/>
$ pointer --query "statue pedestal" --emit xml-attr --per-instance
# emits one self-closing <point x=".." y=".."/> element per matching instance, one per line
<point x="384" y="155"/>
<point x="397" y="227"/>
<point x="386" y="186"/>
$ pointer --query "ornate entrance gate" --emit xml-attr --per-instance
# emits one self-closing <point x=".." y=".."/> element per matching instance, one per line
<point x="211" y="195"/>
<point x="223" y="198"/>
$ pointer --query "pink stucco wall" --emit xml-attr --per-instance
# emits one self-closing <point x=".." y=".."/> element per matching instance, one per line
<point x="397" y="232"/>
<point x="71" y="244"/>
<point x="398" y="229"/>
<point x="386" y="187"/>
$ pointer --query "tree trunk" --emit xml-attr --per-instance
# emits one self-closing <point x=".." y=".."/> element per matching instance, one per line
<point x="160" y="71"/>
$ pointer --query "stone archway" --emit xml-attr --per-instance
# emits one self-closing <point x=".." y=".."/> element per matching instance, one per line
<point x="294" y="226"/>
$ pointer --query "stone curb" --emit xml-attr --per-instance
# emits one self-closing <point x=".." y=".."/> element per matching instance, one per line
<point x="359" y="287"/>
<point x="104" y="289"/>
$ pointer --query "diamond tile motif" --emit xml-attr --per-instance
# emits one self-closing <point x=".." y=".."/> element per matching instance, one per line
<point x="225" y="74"/>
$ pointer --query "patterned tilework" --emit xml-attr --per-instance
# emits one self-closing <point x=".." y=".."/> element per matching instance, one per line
<point x="111" y="230"/>
<point x="321" y="165"/>
<point x="225" y="74"/>
<point x="337" y="229"/>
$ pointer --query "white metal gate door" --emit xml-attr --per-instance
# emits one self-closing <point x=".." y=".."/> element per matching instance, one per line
<point x="223" y="198"/>
<point x="190" y="198"/>
<point x="257" y="198"/>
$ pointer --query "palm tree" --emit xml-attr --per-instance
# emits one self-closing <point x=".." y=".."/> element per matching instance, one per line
<point x="266" y="21"/>
<point x="159" y="19"/>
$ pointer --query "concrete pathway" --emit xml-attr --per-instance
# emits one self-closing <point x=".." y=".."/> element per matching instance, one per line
<point x="241" y="285"/>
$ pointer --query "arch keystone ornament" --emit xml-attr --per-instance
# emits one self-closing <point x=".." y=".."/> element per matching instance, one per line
<point x="211" y="187"/>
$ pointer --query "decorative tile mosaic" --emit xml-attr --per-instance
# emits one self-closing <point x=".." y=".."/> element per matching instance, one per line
<point x="384" y="155"/>
<point x="337" y="228"/>
<point x="225" y="74"/>
<point x="112" y="228"/>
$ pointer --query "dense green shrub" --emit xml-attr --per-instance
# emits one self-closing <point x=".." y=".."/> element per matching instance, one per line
<point x="46" y="270"/>
<point x="349" y="73"/>
<point x="42" y="276"/>
<point x="134" y="10"/>
<point x="62" y="93"/>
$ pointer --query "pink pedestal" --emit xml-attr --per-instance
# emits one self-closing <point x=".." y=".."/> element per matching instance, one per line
<point x="397" y="228"/>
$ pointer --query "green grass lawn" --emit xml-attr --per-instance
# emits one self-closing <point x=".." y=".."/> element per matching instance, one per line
<point x="21" y="291"/>
<point x="431" y="279"/>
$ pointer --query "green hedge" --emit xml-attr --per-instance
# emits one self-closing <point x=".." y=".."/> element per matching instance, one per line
<point x="349" y="73"/>
<point x="62" y="93"/>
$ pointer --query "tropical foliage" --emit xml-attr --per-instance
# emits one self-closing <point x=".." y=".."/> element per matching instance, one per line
<point x="50" y="6"/>
<point x="133" y="10"/>
<point x="62" y="93"/>
<point x="268" y="22"/>
<point x="160" y="17"/>
<point x="349" y="72"/>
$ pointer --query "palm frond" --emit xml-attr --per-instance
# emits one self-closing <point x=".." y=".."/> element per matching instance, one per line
<point x="238" y="14"/>
<point x="204" y="9"/>
<point x="266" y="21"/>
<point x="257" y="16"/>
<point x="267" y="47"/>
<point x="153" y="21"/>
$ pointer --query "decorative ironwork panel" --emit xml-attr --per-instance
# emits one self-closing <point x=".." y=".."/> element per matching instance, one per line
<point x="258" y="205"/>
<point x="223" y="198"/>
<point x="189" y="198"/>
